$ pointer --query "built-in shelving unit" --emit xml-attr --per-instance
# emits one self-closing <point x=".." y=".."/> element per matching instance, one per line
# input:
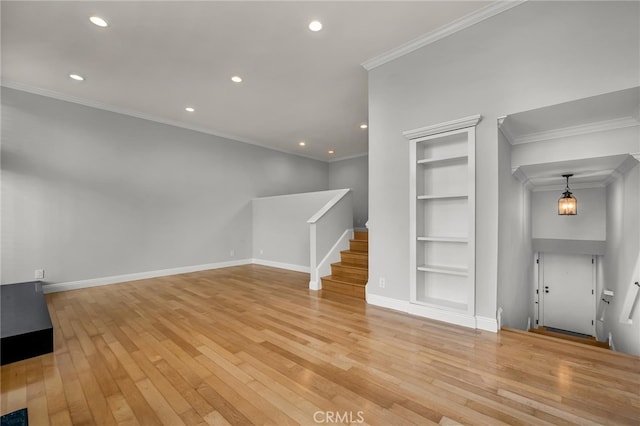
<point x="442" y="224"/>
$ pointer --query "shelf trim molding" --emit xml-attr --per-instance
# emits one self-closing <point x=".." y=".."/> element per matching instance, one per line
<point x="441" y="239"/>
<point x="442" y="269"/>
<point x="453" y="158"/>
<point x="442" y="304"/>
<point x="447" y="126"/>
<point x="442" y="197"/>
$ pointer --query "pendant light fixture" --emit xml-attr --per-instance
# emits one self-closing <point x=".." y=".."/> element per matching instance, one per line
<point x="567" y="204"/>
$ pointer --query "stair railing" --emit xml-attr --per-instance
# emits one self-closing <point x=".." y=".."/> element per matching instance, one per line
<point x="633" y="291"/>
<point x="330" y="229"/>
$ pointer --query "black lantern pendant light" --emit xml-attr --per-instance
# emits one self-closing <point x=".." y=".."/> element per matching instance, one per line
<point x="567" y="205"/>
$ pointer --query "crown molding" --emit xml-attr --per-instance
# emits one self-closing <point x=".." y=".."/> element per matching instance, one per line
<point x="537" y="184"/>
<point x="447" y="126"/>
<point x="582" y="129"/>
<point x="143" y="116"/>
<point x="585" y="185"/>
<point x="623" y="168"/>
<point x="521" y="177"/>
<point x="505" y="128"/>
<point x="594" y="179"/>
<point x="349" y="157"/>
<point x="442" y="32"/>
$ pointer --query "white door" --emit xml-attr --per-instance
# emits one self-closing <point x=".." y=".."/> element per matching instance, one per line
<point x="568" y="294"/>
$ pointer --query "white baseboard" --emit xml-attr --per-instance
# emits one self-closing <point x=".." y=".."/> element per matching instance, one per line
<point x="289" y="266"/>
<point x="116" y="279"/>
<point x="482" y="323"/>
<point x="450" y="317"/>
<point x="487" y="324"/>
<point x="387" y="302"/>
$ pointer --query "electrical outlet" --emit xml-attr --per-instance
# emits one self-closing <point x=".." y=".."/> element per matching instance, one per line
<point x="261" y="251"/>
<point x="39" y="274"/>
<point x="382" y="282"/>
<point x="232" y="253"/>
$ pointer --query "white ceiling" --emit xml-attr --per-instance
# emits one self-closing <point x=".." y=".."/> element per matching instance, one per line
<point x="156" y="58"/>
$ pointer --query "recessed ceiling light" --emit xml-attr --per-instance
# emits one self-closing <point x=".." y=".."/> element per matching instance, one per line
<point x="315" y="26"/>
<point x="76" y="77"/>
<point x="236" y="79"/>
<point x="189" y="109"/>
<point x="96" y="20"/>
<point x="331" y="151"/>
<point x="301" y="143"/>
<point x="363" y="126"/>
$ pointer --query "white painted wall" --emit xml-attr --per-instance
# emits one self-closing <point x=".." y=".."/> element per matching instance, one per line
<point x="88" y="193"/>
<point x="534" y="55"/>
<point x="353" y="173"/>
<point x="515" y="254"/>
<point x="588" y="224"/>
<point x="622" y="253"/>
<point x="280" y="228"/>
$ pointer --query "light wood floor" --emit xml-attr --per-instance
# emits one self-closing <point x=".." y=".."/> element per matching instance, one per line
<point x="252" y="345"/>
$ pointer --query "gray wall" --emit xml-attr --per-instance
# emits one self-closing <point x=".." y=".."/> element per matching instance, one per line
<point x="353" y="173"/>
<point x="588" y="224"/>
<point x="622" y="253"/>
<point x="536" y="54"/>
<point x="281" y="234"/>
<point x="88" y="193"/>
<point x="515" y="254"/>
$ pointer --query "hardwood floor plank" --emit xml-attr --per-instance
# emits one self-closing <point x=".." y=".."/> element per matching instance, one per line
<point x="54" y="389"/>
<point x="158" y="403"/>
<point x="242" y="399"/>
<point x="121" y="410"/>
<point x="288" y="385"/>
<point x="253" y="345"/>
<point x="36" y="393"/>
<point x="15" y="386"/>
<point x="215" y="419"/>
<point x="199" y="404"/>
<point x="78" y="407"/>
<point x="144" y="413"/>
<point x="177" y="402"/>
<point x="92" y="391"/>
<point x="61" y="418"/>
<point x="225" y="408"/>
<point x="192" y="418"/>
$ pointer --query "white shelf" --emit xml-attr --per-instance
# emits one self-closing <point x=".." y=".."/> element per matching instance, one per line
<point x="442" y="196"/>
<point x="443" y="303"/>
<point x="443" y="160"/>
<point x="442" y="269"/>
<point x="445" y="239"/>
<point x="442" y="220"/>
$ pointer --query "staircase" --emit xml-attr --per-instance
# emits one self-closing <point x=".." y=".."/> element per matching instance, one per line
<point x="350" y="275"/>
<point x="589" y="340"/>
